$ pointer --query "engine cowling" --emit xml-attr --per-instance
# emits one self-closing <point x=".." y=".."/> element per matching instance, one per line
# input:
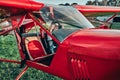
<point x="95" y="54"/>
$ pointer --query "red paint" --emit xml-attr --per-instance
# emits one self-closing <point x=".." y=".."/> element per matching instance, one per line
<point x="35" y="49"/>
<point x="22" y="4"/>
<point x="86" y="54"/>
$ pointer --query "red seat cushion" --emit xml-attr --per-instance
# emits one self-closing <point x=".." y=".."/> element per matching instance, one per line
<point x="35" y="49"/>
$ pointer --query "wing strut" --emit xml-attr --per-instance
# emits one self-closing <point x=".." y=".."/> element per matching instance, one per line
<point x="22" y="72"/>
<point x="106" y="22"/>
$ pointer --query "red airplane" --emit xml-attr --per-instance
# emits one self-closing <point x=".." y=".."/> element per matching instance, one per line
<point x="61" y="41"/>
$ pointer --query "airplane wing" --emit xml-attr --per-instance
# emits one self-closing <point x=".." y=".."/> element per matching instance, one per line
<point x="15" y="6"/>
<point x="21" y="4"/>
<point x="97" y="10"/>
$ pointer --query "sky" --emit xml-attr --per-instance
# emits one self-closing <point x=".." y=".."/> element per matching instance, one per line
<point x="80" y="2"/>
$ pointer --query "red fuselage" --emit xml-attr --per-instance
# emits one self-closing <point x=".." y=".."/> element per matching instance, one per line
<point x="96" y="50"/>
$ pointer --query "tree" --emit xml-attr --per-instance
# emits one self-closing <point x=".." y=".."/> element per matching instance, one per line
<point x="74" y="4"/>
<point x="117" y="2"/>
<point x="89" y="3"/>
<point x="96" y="2"/>
<point x="67" y="4"/>
<point x="105" y="2"/>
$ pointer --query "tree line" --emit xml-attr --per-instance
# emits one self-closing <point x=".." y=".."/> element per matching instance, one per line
<point x="104" y="2"/>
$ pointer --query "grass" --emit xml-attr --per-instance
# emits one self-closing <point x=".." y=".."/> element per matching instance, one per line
<point x="8" y="71"/>
<point x="115" y="25"/>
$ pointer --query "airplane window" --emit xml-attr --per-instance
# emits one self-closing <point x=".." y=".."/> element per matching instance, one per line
<point x="64" y="15"/>
<point x="60" y="19"/>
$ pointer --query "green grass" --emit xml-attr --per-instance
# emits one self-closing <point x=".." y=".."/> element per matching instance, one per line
<point x="115" y="25"/>
<point x="9" y="71"/>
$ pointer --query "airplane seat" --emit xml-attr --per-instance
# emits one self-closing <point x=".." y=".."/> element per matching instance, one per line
<point x="35" y="49"/>
<point x="33" y="46"/>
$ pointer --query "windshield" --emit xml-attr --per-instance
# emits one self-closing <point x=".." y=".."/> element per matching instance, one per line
<point x="67" y="16"/>
<point x="61" y="21"/>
